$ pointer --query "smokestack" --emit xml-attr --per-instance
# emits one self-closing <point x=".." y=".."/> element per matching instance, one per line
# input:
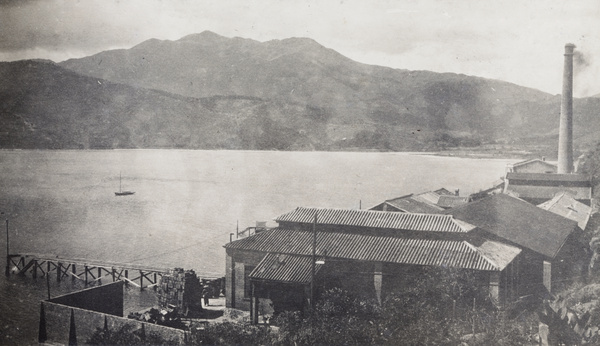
<point x="565" y="132"/>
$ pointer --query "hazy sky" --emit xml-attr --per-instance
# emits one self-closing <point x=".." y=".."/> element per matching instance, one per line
<point x="519" y="41"/>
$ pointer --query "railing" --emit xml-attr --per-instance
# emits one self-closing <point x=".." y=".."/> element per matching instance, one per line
<point x="90" y="272"/>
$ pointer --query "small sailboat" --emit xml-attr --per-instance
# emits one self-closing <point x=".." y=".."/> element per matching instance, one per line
<point x="121" y="192"/>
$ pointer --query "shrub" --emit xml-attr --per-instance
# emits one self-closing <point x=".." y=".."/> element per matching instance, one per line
<point x="228" y="333"/>
<point x="127" y="335"/>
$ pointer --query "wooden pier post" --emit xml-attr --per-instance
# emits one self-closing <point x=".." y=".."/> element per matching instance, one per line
<point x="58" y="271"/>
<point x="99" y="276"/>
<point x="155" y="282"/>
<point x="141" y="280"/>
<point x="34" y="272"/>
<point x="113" y="274"/>
<point x="86" y="275"/>
<point x="74" y="271"/>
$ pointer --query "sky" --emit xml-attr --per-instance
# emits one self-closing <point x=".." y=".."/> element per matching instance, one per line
<point x="518" y="41"/>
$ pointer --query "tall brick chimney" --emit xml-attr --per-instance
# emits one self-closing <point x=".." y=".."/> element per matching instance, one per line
<point x="565" y="132"/>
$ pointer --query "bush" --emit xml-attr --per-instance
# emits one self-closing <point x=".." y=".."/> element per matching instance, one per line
<point x="228" y="333"/>
<point x="127" y="335"/>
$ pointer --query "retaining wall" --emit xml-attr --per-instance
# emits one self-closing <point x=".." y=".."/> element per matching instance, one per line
<point x="55" y="316"/>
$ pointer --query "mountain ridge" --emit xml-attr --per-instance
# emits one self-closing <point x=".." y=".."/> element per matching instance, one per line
<point x="306" y="88"/>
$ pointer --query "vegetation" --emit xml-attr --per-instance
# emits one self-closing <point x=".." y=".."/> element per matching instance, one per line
<point x="127" y="335"/>
<point x="437" y="310"/>
<point x="580" y="303"/>
<point x="591" y="166"/>
<point x="441" y="307"/>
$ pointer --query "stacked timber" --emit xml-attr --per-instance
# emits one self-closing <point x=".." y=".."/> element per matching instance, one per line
<point x="180" y="290"/>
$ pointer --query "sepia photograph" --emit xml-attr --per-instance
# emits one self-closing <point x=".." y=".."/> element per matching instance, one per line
<point x="272" y="172"/>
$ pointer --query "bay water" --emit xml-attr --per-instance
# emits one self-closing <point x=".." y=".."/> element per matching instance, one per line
<point x="186" y="205"/>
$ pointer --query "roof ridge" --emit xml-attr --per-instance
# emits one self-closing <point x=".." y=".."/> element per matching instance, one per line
<point x="368" y="211"/>
<point x="434" y="222"/>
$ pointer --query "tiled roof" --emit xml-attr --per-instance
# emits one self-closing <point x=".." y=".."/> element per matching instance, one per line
<point x="489" y="255"/>
<point x="582" y="178"/>
<point x="565" y="205"/>
<point x="376" y="219"/>
<point x="518" y="222"/>
<point x="285" y="268"/>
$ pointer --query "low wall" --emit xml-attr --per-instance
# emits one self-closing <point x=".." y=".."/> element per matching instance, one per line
<point x="107" y="299"/>
<point x="55" y="316"/>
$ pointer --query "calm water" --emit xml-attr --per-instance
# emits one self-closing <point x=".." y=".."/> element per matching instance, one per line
<point x="186" y="204"/>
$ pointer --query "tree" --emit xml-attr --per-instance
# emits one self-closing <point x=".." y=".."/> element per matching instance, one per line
<point x="591" y="165"/>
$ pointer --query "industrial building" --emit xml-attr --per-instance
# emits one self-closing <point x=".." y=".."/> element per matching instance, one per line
<point x="513" y="248"/>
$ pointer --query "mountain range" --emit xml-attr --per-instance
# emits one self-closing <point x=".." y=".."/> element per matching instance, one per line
<point x="206" y="91"/>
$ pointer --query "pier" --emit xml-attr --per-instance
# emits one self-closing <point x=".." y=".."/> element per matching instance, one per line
<point x="90" y="272"/>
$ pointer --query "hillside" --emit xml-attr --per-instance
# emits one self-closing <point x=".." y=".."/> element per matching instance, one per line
<point x="291" y="94"/>
<point x="349" y="95"/>
<point x="43" y="105"/>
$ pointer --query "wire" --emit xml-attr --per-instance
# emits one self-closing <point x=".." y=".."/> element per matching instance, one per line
<point x="178" y="249"/>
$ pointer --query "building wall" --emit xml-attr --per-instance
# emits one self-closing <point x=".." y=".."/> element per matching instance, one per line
<point x="238" y="264"/>
<point x="530" y="273"/>
<point x="353" y="276"/>
<point x="571" y="262"/>
<point x="373" y="280"/>
<point x="229" y="281"/>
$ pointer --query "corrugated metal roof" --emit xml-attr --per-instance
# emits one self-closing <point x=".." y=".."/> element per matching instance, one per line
<point x="285" y="268"/>
<point x="381" y="248"/>
<point x="376" y="219"/>
<point x="565" y="205"/>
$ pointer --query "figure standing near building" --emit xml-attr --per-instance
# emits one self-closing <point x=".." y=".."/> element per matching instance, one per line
<point x="206" y="295"/>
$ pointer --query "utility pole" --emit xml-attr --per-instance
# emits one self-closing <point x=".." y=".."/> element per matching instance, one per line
<point x="313" y="264"/>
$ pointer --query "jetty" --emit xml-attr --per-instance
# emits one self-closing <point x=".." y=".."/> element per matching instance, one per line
<point x="90" y="272"/>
